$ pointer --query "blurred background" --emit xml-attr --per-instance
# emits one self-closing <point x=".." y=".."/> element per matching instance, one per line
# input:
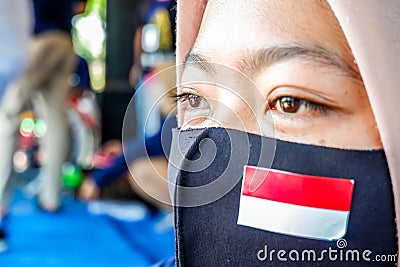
<point x="67" y="196"/>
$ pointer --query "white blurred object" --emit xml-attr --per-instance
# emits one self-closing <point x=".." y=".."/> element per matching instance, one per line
<point x="90" y="32"/>
<point x="150" y="38"/>
<point x="121" y="210"/>
<point x="16" y="25"/>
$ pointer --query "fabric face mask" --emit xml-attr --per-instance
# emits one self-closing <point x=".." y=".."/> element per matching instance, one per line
<point x="241" y="198"/>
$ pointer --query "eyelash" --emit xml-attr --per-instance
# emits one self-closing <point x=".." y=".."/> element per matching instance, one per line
<point x="184" y="97"/>
<point x="309" y="105"/>
<point x="179" y="97"/>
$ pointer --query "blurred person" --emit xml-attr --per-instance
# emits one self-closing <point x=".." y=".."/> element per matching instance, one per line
<point x="16" y="24"/>
<point x="137" y="154"/>
<point x="299" y="99"/>
<point x="51" y="60"/>
<point x="145" y="156"/>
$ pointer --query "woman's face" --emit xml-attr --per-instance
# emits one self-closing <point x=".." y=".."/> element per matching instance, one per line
<point x="303" y="84"/>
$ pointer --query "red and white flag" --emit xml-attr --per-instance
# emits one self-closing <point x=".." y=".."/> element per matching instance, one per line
<point x="295" y="204"/>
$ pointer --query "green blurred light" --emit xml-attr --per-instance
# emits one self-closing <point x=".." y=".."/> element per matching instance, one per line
<point x="27" y="126"/>
<point x="72" y="175"/>
<point x="40" y="128"/>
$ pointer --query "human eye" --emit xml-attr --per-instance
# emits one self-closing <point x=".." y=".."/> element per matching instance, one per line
<point x="190" y="100"/>
<point x="296" y="106"/>
<point x="193" y="108"/>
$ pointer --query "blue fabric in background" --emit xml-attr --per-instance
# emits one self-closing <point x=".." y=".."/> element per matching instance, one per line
<point x="75" y="237"/>
<point x="154" y="238"/>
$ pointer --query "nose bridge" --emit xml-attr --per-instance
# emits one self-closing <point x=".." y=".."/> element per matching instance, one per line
<point x="232" y="108"/>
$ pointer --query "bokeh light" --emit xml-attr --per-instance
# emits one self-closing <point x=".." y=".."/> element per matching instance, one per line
<point x="21" y="161"/>
<point x="27" y="126"/>
<point x="40" y="128"/>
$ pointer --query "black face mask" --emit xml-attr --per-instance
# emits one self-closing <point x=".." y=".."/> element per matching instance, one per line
<point x="206" y="173"/>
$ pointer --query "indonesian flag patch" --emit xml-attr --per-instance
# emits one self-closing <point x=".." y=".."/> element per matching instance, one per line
<point x="295" y="204"/>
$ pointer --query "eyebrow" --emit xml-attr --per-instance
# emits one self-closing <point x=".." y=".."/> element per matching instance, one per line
<point x="253" y="62"/>
<point x="199" y="62"/>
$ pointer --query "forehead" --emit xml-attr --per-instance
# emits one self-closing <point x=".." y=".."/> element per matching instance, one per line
<point x="230" y="27"/>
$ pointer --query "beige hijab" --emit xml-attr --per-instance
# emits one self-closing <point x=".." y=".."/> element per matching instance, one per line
<point x="372" y="29"/>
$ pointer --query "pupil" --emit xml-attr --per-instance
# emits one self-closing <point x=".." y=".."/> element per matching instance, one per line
<point x="289" y="104"/>
<point x="193" y="101"/>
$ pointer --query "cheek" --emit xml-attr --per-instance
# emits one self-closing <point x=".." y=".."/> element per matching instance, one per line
<point x="366" y="132"/>
<point x="361" y="134"/>
<point x="361" y="129"/>
<point x="355" y="131"/>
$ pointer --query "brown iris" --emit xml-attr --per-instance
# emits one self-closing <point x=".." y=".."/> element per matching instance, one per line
<point x="289" y="104"/>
